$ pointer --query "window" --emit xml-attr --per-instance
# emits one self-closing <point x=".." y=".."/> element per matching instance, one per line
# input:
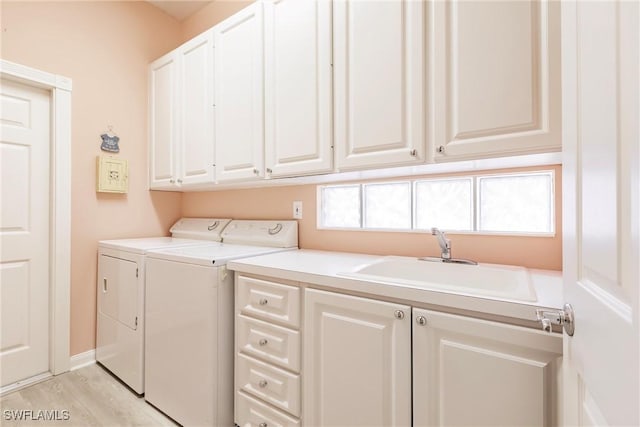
<point x="508" y="203"/>
<point x="387" y="206"/>
<point x="446" y="204"/>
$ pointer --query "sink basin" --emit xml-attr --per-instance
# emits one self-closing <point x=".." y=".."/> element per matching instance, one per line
<point x="483" y="280"/>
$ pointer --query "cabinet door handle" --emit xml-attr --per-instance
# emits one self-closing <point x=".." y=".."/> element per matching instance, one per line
<point x="421" y="320"/>
<point x="179" y="181"/>
<point x="399" y="314"/>
<point x="263" y="425"/>
<point x="104" y="284"/>
<point x="264" y="301"/>
<point x="172" y="181"/>
<point x="263" y="383"/>
<point x="263" y="342"/>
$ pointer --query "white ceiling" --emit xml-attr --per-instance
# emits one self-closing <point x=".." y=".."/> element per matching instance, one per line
<point x="179" y="9"/>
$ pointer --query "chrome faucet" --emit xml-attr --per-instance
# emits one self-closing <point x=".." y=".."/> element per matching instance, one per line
<point x="445" y="244"/>
<point x="445" y="250"/>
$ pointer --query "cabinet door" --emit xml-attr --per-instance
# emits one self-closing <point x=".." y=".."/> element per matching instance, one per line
<point x="298" y="137"/>
<point x="163" y="77"/>
<point x="196" y="110"/>
<point x="474" y="372"/>
<point x="357" y="361"/>
<point x="379" y="93"/>
<point x="496" y="78"/>
<point x="239" y="122"/>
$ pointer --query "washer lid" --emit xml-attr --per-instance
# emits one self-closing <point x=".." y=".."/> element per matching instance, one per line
<point x="212" y="254"/>
<point x="141" y="246"/>
<point x="272" y="233"/>
<point x="199" y="228"/>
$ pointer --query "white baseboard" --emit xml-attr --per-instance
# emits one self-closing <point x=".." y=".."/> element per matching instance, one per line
<point x="81" y="360"/>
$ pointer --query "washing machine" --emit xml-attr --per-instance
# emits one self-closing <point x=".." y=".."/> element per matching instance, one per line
<point x="189" y="314"/>
<point x="120" y="294"/>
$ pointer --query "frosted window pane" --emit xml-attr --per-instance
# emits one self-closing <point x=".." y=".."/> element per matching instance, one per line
<point x="445" y="204"/>
<point x="387" y="205"/>
<point x="516" y="203"/>
<point x="340" y="206"/>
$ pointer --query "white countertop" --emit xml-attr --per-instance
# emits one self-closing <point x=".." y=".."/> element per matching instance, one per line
<point x="322" y="268"/>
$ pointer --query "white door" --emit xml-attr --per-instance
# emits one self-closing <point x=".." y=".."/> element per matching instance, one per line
<point x="601" y="206"/>
<point x="24" y="231"/>
<point x="472" y="372"/>
<point x="496" y="78"/>
<point x="239" y="100"/>
<point x="196" y="110"/>
<point x="357" y="361"/>
<point x="379" y="106"/>
<point x="298" y="131"/>
<point x="163" y="75"/>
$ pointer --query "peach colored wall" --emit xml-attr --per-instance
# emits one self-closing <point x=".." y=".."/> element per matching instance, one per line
<point x="105" y="48"/>
<point x="275" y="202"/>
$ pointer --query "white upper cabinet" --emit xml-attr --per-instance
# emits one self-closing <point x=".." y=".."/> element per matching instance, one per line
<point x="496" y="78"/>
<point x="196" y="110"/>
<point x="163" y="121"/>
<point x="298" y="132"/>
<point x="239" y="130"/>
<point x="181" y="116"/>
<point x="379" y="106"/>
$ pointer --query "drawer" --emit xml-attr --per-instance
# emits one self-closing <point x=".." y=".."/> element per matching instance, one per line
<point x="269" y="300"/>
<point x="278" y="387"/>
<point x="275" y="344"/>
<point x="251" y="412"/>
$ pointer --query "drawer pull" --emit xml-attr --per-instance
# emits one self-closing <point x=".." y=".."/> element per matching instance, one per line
<point x="263" y="383"/>
<point x="264" y="301"/>
<point x="263" y="342"/>
<point x="263" y="425"/>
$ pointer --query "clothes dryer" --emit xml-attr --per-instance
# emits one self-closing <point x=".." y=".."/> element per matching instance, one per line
<point x="120" y="294"/>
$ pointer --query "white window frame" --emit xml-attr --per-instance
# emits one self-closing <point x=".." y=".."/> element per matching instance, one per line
<point x="475" y="205"/>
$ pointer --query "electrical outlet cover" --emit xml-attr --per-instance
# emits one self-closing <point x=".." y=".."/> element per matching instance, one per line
<point x="297" y="209"/>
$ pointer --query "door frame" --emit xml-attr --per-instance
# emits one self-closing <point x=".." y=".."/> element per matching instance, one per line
<point x="60" y="206"/>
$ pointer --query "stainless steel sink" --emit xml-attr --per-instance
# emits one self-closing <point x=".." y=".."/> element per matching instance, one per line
<point x="483" y="279"/>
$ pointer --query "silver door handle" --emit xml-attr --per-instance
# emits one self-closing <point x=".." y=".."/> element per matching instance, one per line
<point x="564" y="318"/>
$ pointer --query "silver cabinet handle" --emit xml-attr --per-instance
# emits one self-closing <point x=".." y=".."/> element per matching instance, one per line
<point x="399" y="314"/>
<point x="269" y="170"/>
<point x="104" y="284"/>
<point x="256" y="172"/>
<point x="263" y="425"/>
<point x="172" y="181"/>
<point x="440" y="149"/>
<point x="413" y="153"/>
<point x="263" y="383"/>
<point x="421" y="320"/>
<point x="179" y="181"/>
<point x="213" y="226"/>
<point x="263" y="342"/>
<point x="264" y="301"/>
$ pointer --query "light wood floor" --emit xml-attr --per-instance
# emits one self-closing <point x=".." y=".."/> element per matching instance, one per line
<point x="92" y="396"/>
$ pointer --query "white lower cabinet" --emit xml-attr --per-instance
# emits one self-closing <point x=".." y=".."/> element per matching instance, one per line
<point x="267" y="361"/>
<point x="348" y="361"/>
<point x="357" y="361"/>
<point x="474" y="372"/>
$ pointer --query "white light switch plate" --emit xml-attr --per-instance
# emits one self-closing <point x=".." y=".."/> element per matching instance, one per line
<point x="297" y="209"/>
